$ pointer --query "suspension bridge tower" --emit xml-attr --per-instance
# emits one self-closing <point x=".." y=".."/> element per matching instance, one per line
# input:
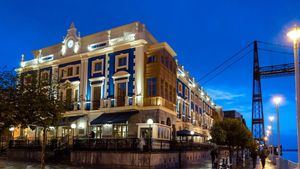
<point x="258" y="129"/>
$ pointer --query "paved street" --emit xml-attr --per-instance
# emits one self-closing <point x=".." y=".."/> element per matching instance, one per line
<point x="268" y="165"/>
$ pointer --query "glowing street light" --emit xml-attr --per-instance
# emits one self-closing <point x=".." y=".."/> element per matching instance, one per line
<point x="150" y="122"/>
<point x="294" y="35"/>
<point x="12" y="129"/>
<point x="277" y="100"/>
<point x="73" y="127"/>
<point x="269" y="127"/>
<point x="271" y="118"/>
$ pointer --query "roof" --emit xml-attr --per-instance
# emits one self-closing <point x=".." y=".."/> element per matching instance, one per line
<point x="112" y="118"/>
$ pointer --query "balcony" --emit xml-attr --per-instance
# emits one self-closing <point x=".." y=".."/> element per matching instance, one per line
<point x="159" y="101"/>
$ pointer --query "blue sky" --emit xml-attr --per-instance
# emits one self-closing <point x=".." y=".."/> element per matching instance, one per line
<point x="203" y="33"/>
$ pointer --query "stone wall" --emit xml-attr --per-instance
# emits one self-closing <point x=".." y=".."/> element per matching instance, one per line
<point x="156" y="160"/>
<point x="26" y="154"/>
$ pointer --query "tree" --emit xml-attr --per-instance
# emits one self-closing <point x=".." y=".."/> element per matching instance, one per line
<point x="7" y="97"/>
<point x="231" y="133"/>
<point x="37" y="103"/>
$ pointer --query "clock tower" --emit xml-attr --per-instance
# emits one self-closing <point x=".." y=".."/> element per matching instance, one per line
<point x="71" y="43"/>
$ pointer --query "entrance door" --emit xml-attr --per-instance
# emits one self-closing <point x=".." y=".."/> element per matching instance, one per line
<point x="121" y="93"/>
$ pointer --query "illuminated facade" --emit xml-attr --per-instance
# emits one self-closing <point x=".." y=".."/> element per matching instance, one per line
<point x="119" y="78"/>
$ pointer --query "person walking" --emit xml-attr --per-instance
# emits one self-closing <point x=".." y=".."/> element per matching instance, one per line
<point x="263" y="155"/>
<point x="213" y="155"/>
<point x="254" y="157"/>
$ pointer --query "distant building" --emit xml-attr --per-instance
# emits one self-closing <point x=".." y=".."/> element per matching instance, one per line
<point x="234" y="115"/>
<point x="117" y="80"/>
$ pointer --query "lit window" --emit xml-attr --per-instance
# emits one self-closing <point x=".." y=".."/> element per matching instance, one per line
<point x="151" y="86"/>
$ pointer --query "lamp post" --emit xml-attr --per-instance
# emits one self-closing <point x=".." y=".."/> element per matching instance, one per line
<point x="73" y="126"/>
<point x="294" y="35"/>
<point x="12" y="129"/>
<point x="271" y="118"/>
<point x="277" y="100"/>
<point x="192" y="134"/>
<point x="150" y="122"/>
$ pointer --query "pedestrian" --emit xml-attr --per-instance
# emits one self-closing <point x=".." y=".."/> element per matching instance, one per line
<point x="213" y="155"/>
<point x="254" y="157"/>
<point x="263" y="155"/>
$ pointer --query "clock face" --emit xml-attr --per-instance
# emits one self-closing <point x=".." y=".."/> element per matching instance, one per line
<point x="70" y="43"/>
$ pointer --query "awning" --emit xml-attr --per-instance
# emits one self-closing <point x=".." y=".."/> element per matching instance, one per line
<point x="187" y="133"/>
<point x="112" y="118"/>
<point x="67" y="121"/>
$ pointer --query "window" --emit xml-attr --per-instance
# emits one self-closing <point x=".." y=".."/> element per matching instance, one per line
<point x="122" y="61"/>
<point x="166" y="90"/>
<point x="62" y="73"/>
<point x="179" y="87"/>
<point x="151" y="86"/>
<point x="97" y="66"/>
<point x="77" y="70"/>
<point x="96" y="97"/>
<point x="76" y="95"/>
<point x="162" y="88"/>
<point x="186" y="93"/>
<point x="45" y="76"/>
<point x="70" y="71"/>
<point x="151" y="59"/>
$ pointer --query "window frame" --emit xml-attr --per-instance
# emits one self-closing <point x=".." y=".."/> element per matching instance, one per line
<point x="94" y="66"/>
<point x="118" y="57"/>
<point x="152" y="88"/>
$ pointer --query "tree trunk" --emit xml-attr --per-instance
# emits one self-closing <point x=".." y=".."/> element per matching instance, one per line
<point x="43" y="148"/>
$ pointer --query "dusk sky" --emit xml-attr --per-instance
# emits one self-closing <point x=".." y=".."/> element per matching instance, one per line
<point x="203" y="34"/>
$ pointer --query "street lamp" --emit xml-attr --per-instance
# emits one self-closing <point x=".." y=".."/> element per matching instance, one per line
<point x="269" y="127"/>
<point x="192" y="134"/>
<point x="294" y="35"/>
<point x="271" y="118"/>
<point x="12" y="129"/>
<point x="277" y="100"/>
<point x="150" y="122"/>
<point x="73" y="127"/>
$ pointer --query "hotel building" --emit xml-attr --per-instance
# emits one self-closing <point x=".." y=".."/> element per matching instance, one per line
<point x="118" y="79"/>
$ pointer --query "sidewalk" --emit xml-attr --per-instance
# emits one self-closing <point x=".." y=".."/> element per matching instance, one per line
<point x="268" y="165"/>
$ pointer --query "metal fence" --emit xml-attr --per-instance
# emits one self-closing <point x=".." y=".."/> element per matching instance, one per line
<point x="110" y="144"/>
<point x="128" y="144"/>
